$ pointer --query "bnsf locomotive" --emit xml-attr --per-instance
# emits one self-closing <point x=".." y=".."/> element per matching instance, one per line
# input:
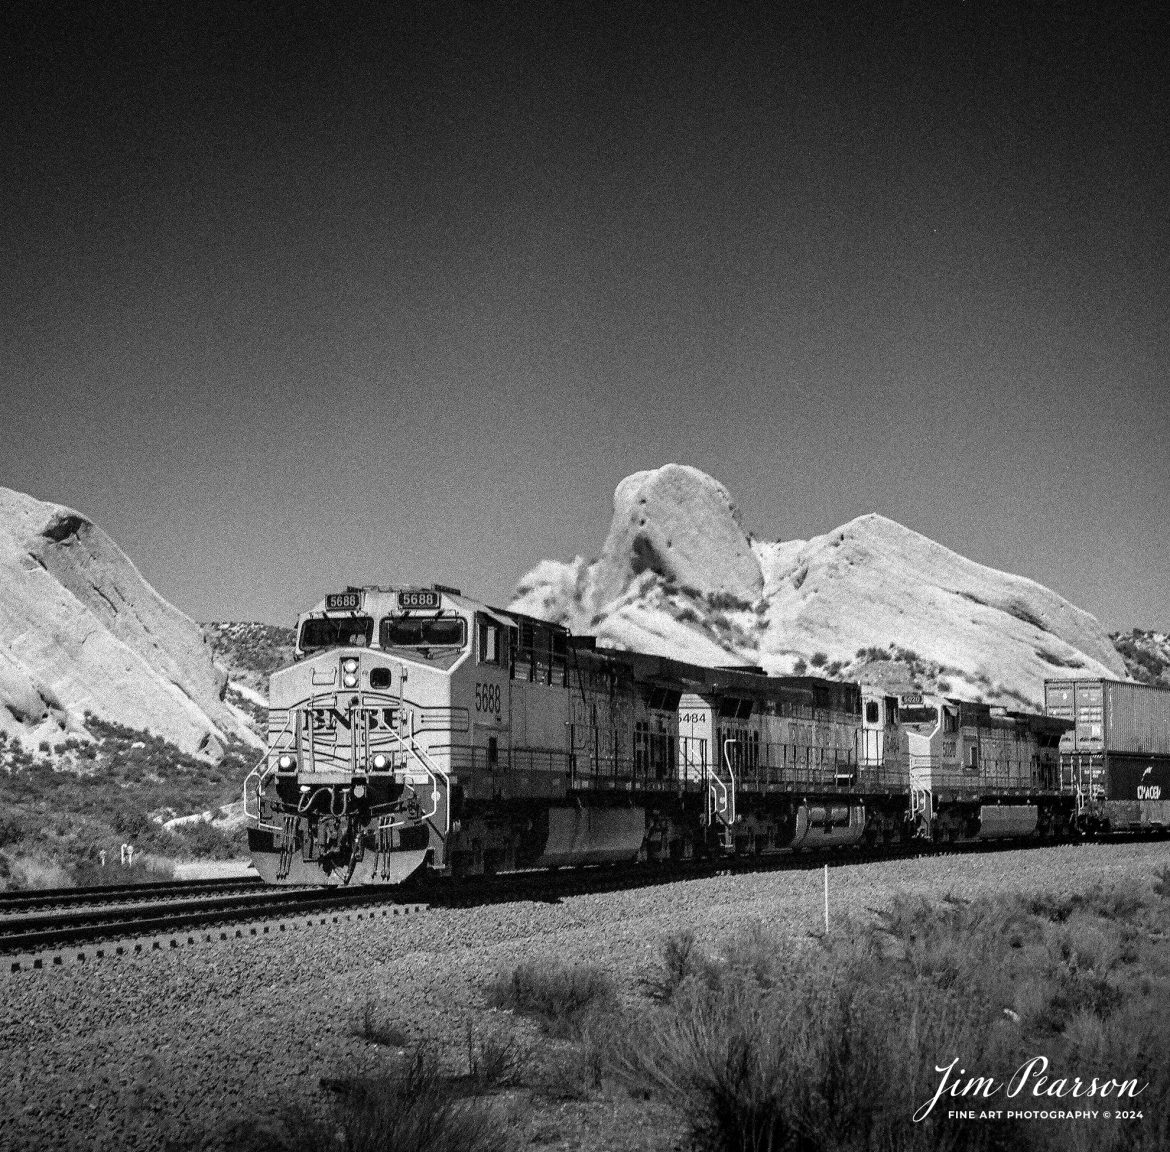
<point x="418" y="726"/>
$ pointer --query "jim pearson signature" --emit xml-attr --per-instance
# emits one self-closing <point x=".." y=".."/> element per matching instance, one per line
<point x="1029" y="1074"/>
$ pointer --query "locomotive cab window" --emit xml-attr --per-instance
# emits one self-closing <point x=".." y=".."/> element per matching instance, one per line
<point x="336" y="632"/>
<point x="920" y="715"/>
<point x="490" y="636"/>
<point x="873" y="712"/>
<point x="423" y="632"/>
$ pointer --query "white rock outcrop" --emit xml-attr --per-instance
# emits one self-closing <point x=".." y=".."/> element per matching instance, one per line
<point x="81" y="630"/>
<point x="682" y="525"/>
<point x="679" y="576"/>
<point x="874" y="583"/>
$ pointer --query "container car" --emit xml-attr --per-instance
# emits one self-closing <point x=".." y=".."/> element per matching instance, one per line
<point x="1115" y="757"/>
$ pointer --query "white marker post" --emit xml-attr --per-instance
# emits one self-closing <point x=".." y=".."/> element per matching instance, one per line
<point x="826" y="899"/>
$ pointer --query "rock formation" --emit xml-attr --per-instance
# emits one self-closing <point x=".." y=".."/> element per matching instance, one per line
<point x="870" y="600"/>
<point x="81" y="630"/>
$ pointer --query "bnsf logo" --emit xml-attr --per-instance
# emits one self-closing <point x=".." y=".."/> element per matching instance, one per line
<point x="1149" y="792"/>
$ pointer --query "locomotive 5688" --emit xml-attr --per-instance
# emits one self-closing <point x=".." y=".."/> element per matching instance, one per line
<point x="418" y="726"/>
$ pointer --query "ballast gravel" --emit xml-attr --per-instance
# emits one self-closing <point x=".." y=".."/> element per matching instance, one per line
<point x="150" y="1051"/>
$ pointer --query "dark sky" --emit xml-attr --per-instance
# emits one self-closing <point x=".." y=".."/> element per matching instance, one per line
<point x="334" y="295"/>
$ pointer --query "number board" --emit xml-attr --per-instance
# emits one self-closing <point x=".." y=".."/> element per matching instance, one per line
<point x="910" y="699"/>
<point x="420" y="598"/>
<point x="336" y="601"/>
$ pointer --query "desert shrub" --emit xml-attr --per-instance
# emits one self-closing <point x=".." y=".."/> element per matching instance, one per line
<point x="1162" y="882"/>
<point x="415" y="1109"/>
<point x="207" y="841"/>
<point x="681" y="961"/>
<point x="89" y="872"/>
<point x="410" y="1107"/>
<point x="771" y="1044"/>
<point x="1141" y="663"/>
<point x="574" y="1072"/>
<point x="819" y="659"/>
<point x="799" y="668"/>
<point x="727" y="602"/>
<point x="11" y="830"/>
<point x="561" y="997"/>
<point x="1022" y="612"/>
<point x="826" y="1059"/>
<point x="834" y="669"/>
<point x="493" y="1061"/>
<point x="373" y="1027"/>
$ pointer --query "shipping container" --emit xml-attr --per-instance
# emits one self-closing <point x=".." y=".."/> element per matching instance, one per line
<point x="1111" y="716"/>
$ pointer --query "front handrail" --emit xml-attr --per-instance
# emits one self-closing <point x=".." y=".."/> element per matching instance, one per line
<point x="261" y="777"/>
<point x="434" y="774"/>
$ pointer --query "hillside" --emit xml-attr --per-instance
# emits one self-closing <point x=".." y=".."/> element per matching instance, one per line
<point x="871" y="600"/>
<point x="250" y="651"/>
<point x="82" y="632"/>
<point x="63" y="805"/>
<point x="1146" y="655"/>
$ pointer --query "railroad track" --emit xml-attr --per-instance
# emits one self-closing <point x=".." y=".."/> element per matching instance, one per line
<point x="30" y="933"/>
<point x="179" y="909"/>
<point x="44" y="898"/>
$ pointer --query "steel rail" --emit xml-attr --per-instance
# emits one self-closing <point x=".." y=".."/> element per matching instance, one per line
<point x="86" y="926"/>
<point x="31" y="933"/>
<point x="29" y="898"/>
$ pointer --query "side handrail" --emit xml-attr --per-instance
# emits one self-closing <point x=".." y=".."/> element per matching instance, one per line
<point x="731" y="776"/>
<point x="260" y="778"/>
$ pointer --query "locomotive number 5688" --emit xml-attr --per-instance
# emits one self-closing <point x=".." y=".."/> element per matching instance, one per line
<point x="487" y="698"/>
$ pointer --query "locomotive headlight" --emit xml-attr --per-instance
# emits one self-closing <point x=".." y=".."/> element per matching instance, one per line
<point x="359" y="790"/>
<point x="350" y="665"/>
<point x="350" y="679"/>
<point x="380" y="760"/>
<point x="286" y="762"/>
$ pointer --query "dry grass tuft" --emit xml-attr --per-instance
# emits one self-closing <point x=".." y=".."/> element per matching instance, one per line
<point x="561" y="997"/>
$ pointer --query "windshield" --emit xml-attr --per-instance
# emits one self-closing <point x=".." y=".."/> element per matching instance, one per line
<point x="336" y="632"/>
<point x="423" y="632"/>
<point x="919" y="714"/>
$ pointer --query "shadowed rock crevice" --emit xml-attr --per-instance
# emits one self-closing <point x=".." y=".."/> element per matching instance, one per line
<point x="63" y="526"/>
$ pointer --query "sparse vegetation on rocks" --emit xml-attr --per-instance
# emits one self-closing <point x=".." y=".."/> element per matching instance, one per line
<point x="250" y="651"/>
<point x="1146" y="655"/>
<point x="66" y="806"/>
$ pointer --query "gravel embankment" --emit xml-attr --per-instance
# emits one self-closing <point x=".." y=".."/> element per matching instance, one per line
<point x="130" y="1052"/>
